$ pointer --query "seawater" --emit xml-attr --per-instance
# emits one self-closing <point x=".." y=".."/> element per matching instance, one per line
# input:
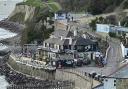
<point x="3" y="83"/>
<point x="6" y="8"/>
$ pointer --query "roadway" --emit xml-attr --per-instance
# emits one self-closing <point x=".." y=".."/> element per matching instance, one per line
<point x="114" y="54"/>
<point x="113" y="60"/>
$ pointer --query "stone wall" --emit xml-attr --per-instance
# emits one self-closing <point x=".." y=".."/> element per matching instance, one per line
<point x="81" y="81"/>
<point x="122" y="84"/>
<point x="29" y="70"/>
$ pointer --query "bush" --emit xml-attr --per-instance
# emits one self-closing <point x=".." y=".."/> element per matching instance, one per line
<point x="112" y="34"/>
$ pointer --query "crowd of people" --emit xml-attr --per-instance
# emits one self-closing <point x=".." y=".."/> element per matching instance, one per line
<point x="20" y="81"/>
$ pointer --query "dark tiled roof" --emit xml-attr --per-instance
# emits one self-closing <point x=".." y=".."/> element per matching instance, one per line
<point x="64" y="33"/>
<point x="66" y="42"/>
<point x="55" y="41"/>
<point x="83" y="41"/>
<point x="75" y="41"/>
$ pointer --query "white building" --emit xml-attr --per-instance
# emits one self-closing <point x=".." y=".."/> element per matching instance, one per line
<point x="108" y="83"/>
<point x="117" y="80"/>
<point x="124" y="49"/>
<point x="103" y="28"/>
<point x="61" y="15"/>
<point x="106" y="28"/>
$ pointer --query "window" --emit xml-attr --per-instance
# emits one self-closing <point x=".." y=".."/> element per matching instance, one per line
<point x="51" y="45"/>
<point x="46" y="45"/>
<point x="80" y="48"/>
<point x="127" y="52"/>
<point x="59" y="14"/>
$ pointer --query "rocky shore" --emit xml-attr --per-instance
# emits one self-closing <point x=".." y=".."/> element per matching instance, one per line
<point x="11" y="26"/>
<point x="20" y="81"/>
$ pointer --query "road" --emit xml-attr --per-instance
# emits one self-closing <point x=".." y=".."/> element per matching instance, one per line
<point x="114" y="54"/>
<point x="113" y="61"/>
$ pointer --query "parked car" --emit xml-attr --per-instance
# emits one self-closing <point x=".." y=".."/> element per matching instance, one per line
<point x="86" y="62"/>
<point x="78" y="62"/>
<point x="62" y="63"/>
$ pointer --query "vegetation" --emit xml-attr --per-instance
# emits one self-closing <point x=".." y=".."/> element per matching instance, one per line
<point x="30" y="34"/>
<point x="112" y="19"/>
<point x="18" y="17"/>
<point x="36" y="28"/>
<point x="112" y="34"/>
<point x="54" y="6"/>
<point x="124" y="22"/>
<point x="93" y="6"/>
<point x="96" y="21"/>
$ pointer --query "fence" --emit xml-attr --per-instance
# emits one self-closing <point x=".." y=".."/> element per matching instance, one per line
<point x="81" y="81"/>
<point x="45" y="85"/>
<point x="30" y="70"/>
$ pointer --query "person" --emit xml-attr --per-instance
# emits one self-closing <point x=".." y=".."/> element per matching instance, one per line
<point x="72" y="18"/>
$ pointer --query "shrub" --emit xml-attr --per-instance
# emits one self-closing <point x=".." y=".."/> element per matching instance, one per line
<point x="112" y="34"/>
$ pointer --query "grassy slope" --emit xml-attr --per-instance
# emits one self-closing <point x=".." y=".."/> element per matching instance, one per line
<point x="53" y="6"/>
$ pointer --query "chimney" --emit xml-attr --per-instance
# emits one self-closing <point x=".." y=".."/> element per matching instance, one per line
<point x="67" y="27"/>
<point x="75" y="32"/>
<point x="61" y="37"/>
<point x="119" y="23"/>
<point x="70" y="40"/>
<point x="84" y="36"/>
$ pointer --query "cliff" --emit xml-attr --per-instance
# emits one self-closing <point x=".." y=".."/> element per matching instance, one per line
<point x="22" y="13"/>
<point x="37" y="17"/>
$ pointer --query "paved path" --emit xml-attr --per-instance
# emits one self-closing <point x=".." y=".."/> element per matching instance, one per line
<point x="114" y="54"/>
<point x="114" y="57"/>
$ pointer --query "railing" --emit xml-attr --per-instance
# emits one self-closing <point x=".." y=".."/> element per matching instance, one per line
<point x="106" y="55"/>
<point x="45" y="85"/>
<point x="81" y="80"/>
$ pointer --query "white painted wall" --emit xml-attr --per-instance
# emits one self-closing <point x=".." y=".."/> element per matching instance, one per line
<point x="123" y="49"/>
<point x="61" y="17"/>
<point x="102" y="28"/>
<point x="109" y="83"/>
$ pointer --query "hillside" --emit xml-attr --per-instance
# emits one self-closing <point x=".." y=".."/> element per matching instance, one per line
<point x="36" y="15"/>
<point x="93" y="6"/>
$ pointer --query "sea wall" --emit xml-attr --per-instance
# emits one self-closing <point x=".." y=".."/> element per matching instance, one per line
<point x="31" y="71"/>
<point x="79" y="78"/>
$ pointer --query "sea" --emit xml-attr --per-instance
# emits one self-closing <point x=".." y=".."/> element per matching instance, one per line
<point x="6" y="8"/>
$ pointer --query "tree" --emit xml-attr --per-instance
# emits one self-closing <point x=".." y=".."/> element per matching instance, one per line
<point x="97" y="6"/>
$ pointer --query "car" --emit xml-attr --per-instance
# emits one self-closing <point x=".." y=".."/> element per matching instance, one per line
<point x="63" y="63"/>
<point x="86" y="62"/>
<point x="78" y="62"/>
